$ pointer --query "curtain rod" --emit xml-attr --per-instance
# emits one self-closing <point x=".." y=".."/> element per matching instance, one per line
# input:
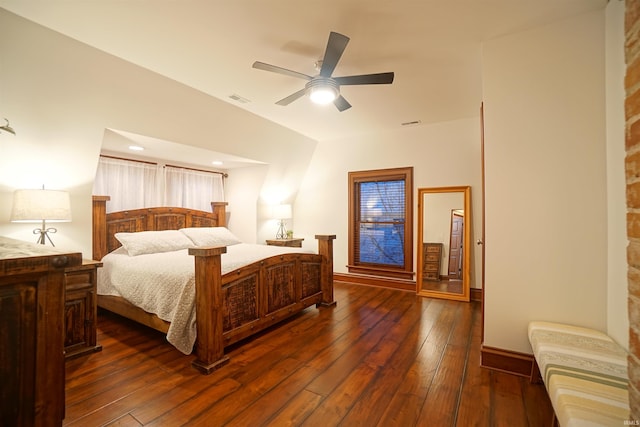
<point x="128" y="160"/>
<point x="224" y="175"/>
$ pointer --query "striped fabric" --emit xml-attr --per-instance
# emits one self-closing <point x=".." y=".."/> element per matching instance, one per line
<point x="585" y="373"/>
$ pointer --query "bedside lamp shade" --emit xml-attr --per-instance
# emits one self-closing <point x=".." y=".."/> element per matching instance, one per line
<point x="41" y="205"/>
<point x="281" y="212"/>
<point x="38" y="205"/>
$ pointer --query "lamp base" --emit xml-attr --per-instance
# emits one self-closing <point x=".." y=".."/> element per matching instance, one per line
<point x="282" y="230"/>
<point x="44" y="234"/>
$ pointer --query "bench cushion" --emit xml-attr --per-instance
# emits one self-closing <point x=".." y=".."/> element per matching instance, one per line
<point x="585" y="373"/>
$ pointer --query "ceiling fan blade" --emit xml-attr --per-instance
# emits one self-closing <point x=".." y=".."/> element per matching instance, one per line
<point x="289" y="99"/>
<point x="335" y="47"/>
<point x="366" y="79"/>
<point x="268" y="67"/>
<point x="341" y="103"/>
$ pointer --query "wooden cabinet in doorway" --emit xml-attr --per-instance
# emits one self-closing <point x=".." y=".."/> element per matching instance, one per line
<point x="432" y="253"/>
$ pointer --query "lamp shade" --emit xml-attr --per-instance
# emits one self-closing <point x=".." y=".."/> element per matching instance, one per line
<point x="281" y="212"/>
<point x="38" y="205"/>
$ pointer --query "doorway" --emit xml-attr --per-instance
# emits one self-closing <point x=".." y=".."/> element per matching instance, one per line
<point x="456" y="246"/>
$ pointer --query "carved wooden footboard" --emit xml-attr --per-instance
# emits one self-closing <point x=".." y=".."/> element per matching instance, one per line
<point x="232" y="307"/>
<point x="252" y="298"/>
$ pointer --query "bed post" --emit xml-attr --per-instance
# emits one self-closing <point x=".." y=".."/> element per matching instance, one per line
<point x="99" y="226"/>
<point x="325" y="248"/>
<point x="220" y="209"/>
<point x="208" y="277"/>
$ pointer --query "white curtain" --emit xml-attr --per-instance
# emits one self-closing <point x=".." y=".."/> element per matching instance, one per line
<point x="132" y="185"/>
<point x="192" y="188"/>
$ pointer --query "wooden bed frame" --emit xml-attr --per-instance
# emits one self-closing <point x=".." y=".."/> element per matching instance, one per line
<point x="229" y="307"/>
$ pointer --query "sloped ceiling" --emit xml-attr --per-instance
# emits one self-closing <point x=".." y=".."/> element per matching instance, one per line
<point x="434" y="48"/>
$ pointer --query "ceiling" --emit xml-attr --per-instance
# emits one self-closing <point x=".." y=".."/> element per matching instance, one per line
<point x="434" y="48"/>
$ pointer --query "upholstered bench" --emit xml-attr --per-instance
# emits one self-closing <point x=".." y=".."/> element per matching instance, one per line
<point x="584" y="372"/>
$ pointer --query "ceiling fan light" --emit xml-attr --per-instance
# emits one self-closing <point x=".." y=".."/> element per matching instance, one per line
<point x="322" y="90"/>
<point x="323" y="94"/>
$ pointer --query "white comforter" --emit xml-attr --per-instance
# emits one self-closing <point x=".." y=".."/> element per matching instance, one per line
<point x="163" y="283"/>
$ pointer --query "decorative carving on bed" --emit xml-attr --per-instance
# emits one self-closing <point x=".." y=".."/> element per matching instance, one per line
<point x="232" y="307"/>
<point x="293" y="283"/>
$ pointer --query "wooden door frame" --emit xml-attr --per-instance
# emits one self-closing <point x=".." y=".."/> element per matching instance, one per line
<point x="481" y="241"/>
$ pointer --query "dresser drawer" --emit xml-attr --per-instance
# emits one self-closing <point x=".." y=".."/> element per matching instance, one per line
<point x="431" y="267"/>
<point x="430" y="275"/>
<point x="79" y="280"/>
<point x="432" y="257"/>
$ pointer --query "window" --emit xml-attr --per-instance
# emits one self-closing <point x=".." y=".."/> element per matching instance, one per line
<point x="192" y="188"/>
<point x="133" y="184"/>
<point x="130" y="184"/>
<point x="381" y="222"/>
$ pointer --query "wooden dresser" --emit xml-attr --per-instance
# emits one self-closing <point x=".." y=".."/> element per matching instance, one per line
<point x="32" y="301"/>
<point x="432" y="256"/>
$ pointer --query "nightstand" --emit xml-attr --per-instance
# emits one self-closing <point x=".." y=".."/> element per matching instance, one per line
<point x="292" y="243"/>
<point x="80" y="311"/>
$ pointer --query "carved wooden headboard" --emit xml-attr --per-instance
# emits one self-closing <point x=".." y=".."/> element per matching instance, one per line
<point x="106" y="225"/>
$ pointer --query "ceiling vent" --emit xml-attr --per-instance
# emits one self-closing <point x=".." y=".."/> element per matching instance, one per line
<point x="239" y="99"/>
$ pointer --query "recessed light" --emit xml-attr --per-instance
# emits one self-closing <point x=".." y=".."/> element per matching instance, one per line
<point x="136" y="148"/>
<point x="217" y="163"/>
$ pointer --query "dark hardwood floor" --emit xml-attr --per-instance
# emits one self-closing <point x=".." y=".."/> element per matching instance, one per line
<point x="381" y="357"/>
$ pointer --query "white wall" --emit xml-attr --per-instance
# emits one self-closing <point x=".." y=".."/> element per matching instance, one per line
<point x="546" y="195"/>
<point x="442" y="154"/>
<point x="61" y="95"/>
<point x="617" y="313"/>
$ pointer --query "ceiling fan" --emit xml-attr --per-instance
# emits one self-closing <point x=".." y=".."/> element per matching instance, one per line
<point x="324" y="88"/>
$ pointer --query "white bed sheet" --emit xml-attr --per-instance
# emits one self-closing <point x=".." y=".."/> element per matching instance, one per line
<point x="164" y="284"/>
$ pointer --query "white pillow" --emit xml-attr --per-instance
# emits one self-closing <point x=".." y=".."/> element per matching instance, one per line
<point x="150" y="242"/>
<point x="211" y="236"/>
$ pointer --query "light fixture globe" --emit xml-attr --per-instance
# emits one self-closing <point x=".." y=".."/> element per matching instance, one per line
<point x="322" y="90"/>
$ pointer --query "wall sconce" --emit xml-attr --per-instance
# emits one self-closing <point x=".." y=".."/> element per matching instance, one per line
<point x="41" y="205"/>
<point x="7" y="128"/>
<point x="281" y="213"/>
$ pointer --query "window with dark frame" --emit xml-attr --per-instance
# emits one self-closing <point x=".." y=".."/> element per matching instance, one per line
<point x="381" y="222"/>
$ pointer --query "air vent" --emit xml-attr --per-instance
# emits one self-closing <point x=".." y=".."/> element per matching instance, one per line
<point x="239" y="99"/>
<point x="412" y="123"/>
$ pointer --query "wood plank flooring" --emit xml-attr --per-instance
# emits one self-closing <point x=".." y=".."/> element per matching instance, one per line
<point x="381" y="357"/>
